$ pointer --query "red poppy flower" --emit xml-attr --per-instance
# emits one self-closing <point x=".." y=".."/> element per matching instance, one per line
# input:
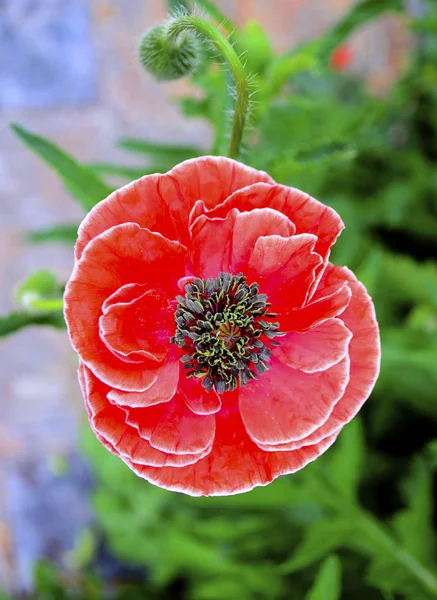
<point x="218" y="347"/>
<point x="341" y="58"/>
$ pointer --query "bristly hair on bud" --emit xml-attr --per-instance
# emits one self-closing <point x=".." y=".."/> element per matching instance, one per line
<point x="174" y="50"/>
<point x="168" y="57"/>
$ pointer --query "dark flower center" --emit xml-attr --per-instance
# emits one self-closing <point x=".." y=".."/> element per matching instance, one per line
<point x="223" y="326"/>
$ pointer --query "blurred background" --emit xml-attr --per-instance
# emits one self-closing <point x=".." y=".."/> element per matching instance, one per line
<point x="69" y="71"/>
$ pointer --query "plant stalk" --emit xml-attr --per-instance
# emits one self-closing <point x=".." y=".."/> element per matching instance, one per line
<point x="231" y="58"/>
<point x="372" y="530"/>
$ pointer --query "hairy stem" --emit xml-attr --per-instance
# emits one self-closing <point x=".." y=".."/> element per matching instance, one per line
<point x="225" y="49"/>
<point x="217" y="15"/>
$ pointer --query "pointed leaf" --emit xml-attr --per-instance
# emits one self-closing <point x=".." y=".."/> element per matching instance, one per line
<point x="413" y="280"/>
<point x="414" y="524"/>
<point x="347" y="460"/>
<point x="320" y="538"/>
<point x="409" y="357"/>
<point x="166" y="155"/>
<point x="65" y="234"/>
<point x="328" y="582"/>
<point x="85" y="185"/>
<point x="360" y="14"/>
<point x="282" y="68"/>
<point x="255" y="46"/>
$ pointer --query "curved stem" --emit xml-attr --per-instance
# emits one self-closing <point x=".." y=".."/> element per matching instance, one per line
<point x="228" y="53"/>
<point x="217" y="15"/>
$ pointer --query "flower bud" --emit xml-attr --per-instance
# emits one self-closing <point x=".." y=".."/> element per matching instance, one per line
<point x="167" y="56"/>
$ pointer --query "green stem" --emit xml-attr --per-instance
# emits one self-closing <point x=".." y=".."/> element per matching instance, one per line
<point x="215" y="13"/>
<point x="373" y="531"/>
<point x="228" y="53"/>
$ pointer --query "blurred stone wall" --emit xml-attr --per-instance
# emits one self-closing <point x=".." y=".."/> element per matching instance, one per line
<point x="68" y="69"/>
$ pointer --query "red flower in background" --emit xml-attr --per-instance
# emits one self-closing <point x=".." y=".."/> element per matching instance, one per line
<point x="218" y="347"/>
<point x="341" y="58"/>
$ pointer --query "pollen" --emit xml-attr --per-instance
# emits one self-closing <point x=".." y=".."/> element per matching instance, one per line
<point x="225" y="330"/>
<point x="228" y="333"/>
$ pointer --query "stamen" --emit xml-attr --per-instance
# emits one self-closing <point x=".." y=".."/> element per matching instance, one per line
<point x="223" y="326"/>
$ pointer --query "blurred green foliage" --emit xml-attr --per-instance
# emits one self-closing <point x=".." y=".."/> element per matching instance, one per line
<point x="359" y="522"/>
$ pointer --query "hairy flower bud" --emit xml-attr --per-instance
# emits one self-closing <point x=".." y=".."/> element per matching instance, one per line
<point x="168" y="56"/>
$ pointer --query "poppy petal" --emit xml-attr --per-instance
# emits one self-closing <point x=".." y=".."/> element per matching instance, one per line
<point x="317" y="349"/>
<point x="234" y="465"/>
<point x="293" y="445"/>
<point x="227" y="244"/>
<point x="364" y="351"/>
<point x="108" y="421"/>
<point x="173" y="425"/>
<point x="197" y="398"/>
<point x="317" y="311"/>
<point x="161" y="390"/>
<point x="125" y="294"/>
<point x="130" y="445"/>
<point x="210" y="179"/>
<point x="287" y="404"/>
<point x="120" y="310"/>
<point x="284" y="268"/>
<point x="122" y="255"/>
<point x="139" y="328"/>
<point x="250" y="226"/>
<point x="308" y="214"/>
<point x="138" y="202"/>
<point x="212" y="245"/>
<point x="162" y="203"/>
<point x="180" y="431"/>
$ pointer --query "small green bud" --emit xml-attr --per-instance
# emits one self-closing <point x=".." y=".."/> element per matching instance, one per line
<point x="167" y="56"/>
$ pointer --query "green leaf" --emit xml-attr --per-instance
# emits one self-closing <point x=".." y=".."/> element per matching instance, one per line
<point x="15" y="321"/>
<point x="218" y="588"/>
<point x="66" y="234"/>
<point x="328" y="582"/>
<point x="280" y="494"/>
<point x="427" y="25"/>
<point x="359" y="15"/>
<point x="408" y="371"/>
<point x="414" y="524"/>
<point x="83" y="551"/>
<point x="255" y="47"/>
<point x="346" y="460"/>
<point x="313" y="160"/>
<point x="431" y="454"/>
<point x="391" y="578"/>
<point x="320" y="538"/>
<point x="280" y="71"/>
<point x="415" y="281"/>
<point x="167" y="155"/>
<point x="393" y="568"/>
<point x="423" y="318"/>
<point x="40" y="293"/>
<point x="85" y="185"/>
